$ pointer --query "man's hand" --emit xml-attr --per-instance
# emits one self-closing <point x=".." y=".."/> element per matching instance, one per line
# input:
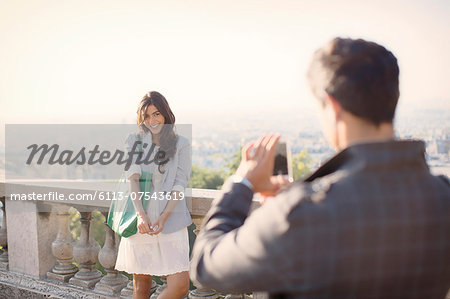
<point x="257" y="163"/>
<point x="280" y="181"/>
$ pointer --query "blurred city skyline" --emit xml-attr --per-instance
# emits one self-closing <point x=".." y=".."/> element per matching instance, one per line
<point x="91" y="62"/>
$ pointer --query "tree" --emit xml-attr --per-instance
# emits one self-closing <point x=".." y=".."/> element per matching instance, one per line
<point x="301" y="165"/>
<point x="205" y="178"/>
<point x="233" y="163"/>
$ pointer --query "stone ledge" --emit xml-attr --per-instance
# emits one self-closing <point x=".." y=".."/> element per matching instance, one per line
<point x="17" y="285"/>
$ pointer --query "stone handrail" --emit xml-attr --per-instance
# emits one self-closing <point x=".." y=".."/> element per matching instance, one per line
<point x="38" y="245"/>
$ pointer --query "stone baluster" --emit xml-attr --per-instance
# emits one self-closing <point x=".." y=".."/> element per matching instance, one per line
<point x="114" y="281"/>
<point x="159" y="288"/>
<point x="154" y="287"/>
<point x="3" y="239"/>
<point x="128" y="291"/>
<point x="62" y="249"/>
<point x="200" y="292"/>
<point x="86" y="252"/>
<point x="237" y="296"/>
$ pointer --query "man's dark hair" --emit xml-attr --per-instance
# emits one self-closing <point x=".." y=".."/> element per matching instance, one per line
<point x="361" y="75"/>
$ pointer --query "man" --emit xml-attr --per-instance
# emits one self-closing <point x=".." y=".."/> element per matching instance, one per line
<point x="372" y="222"/>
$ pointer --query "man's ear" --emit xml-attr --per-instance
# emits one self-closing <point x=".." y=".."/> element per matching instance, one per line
<point x="335" y="106"/>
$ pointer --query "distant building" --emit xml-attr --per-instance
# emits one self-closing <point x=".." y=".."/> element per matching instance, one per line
<point x="439" y="147"/>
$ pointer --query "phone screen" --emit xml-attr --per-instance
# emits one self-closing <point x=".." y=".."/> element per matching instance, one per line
<point x="282" y="161"/>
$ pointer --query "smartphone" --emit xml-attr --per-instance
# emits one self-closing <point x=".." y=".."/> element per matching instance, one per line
<point x="283" y="161"/>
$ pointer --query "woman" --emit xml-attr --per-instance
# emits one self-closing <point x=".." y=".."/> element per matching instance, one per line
<point x="161" y="245"/>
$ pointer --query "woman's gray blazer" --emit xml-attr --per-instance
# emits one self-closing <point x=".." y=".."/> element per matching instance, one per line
<point x="175" y="178"/>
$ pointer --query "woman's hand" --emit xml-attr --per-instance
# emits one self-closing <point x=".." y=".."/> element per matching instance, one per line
<point x="144" y="225"/>
<point x="158" y="225"/>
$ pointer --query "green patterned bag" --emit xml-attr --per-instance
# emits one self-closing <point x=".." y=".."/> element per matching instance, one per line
<point x="122" y="215"/>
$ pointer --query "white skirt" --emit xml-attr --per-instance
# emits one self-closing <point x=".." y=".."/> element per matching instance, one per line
<point x="159" y="255"/>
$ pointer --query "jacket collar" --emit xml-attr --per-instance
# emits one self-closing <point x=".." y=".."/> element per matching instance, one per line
<point x="387" y="155"/>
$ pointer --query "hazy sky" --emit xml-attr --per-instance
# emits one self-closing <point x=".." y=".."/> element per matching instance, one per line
<point x="92" y="61"/>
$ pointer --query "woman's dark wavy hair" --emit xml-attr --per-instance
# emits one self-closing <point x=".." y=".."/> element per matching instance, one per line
<point x="168" y="139"/>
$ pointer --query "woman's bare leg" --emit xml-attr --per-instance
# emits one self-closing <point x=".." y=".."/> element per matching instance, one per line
<point x="177" y="286"/>
<point x="142" y="285"/>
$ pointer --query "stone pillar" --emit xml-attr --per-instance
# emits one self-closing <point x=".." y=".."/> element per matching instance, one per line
<point x="201" y="293"/>
<point x="128" y="291"/>
<point x="86" y="252"/>
<point x="158" y="288"/>
<point x="30" y="236"/>
<point x="236" y="296"/>
<point x="154" y="287"/>
<point x="114" y="281"/>
<point x="62" y="249"/>
<point x="3" y="239"/>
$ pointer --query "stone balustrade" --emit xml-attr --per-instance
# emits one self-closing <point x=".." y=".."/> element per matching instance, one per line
<point x="40" y="257"/>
